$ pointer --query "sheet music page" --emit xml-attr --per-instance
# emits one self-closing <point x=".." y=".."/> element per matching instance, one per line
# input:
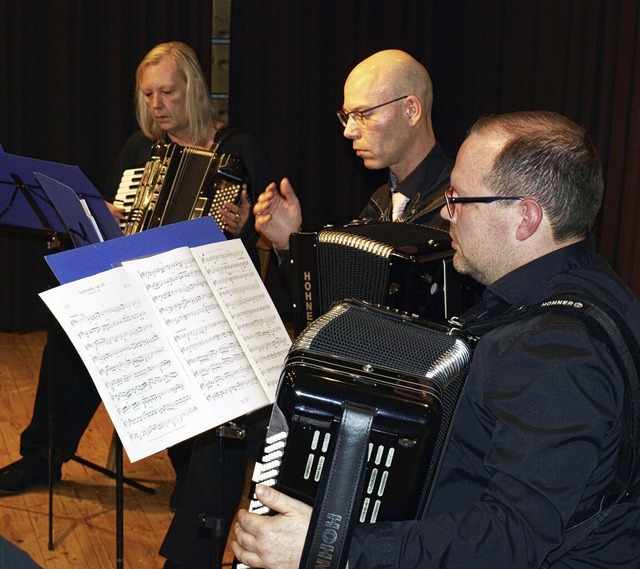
<point x="200" y="332"/>
<point x="162" y="348"/>
<point x="152" y="399"/>
<point x="248" y="307"/>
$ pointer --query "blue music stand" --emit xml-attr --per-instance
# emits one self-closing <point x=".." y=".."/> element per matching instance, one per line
<point x="24" y="205"/>
<point x="96" y="257"/>
<point x="78" y="221"/>
<point x="37" y="196"/>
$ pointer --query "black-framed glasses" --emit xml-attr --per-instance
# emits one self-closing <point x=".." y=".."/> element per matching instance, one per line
<point x="359" y="117"/>
<point x="452" y="200"/>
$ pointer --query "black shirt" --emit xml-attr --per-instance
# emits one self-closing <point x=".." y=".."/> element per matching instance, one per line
<point x="535" y="441"/>
<point x="424" y="187"/>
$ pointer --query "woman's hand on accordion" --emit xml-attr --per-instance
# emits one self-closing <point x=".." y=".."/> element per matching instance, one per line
<point x="117" y="212"/>
<point x="272" y="542"/>
<point x="234" y="216"/>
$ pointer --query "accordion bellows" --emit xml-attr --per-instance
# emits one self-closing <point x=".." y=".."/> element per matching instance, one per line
<point x="403" y="266"/>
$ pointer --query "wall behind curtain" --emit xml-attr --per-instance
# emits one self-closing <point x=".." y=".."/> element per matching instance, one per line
<point x="67" y="79"/>
<point x="289" y="60"/>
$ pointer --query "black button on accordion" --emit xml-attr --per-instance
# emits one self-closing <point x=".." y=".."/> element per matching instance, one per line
<point x="398" y="374"/>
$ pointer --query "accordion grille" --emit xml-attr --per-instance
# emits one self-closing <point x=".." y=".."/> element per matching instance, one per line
<point x="385" y="341"/>
<point x="361" y="264"/>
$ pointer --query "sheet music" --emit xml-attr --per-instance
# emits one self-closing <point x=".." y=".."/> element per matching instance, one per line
<point x="160" y="348"/>
<point x="248" y="308"/>
<point x="198" y="327"/>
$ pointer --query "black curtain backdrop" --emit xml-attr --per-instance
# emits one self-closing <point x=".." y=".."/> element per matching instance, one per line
<point x="581" y="58"/>
<point x="68" y="72"/>
<point x="67" y="76"/>
<point x="67" y="80"/>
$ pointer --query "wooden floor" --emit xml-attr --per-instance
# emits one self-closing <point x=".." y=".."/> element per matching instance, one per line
<point x="84" y="511"/>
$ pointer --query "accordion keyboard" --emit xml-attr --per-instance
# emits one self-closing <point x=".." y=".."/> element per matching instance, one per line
<point x="266" y="471"/>
<point x="127" y="189"/>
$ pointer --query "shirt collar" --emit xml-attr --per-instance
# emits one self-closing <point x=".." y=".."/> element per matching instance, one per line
<point x="423" y="176"/>
<point x="531" y="282"/>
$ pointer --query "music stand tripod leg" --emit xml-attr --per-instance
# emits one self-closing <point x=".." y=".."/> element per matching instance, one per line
<point x="51" y="449"/>
<point x="119" y="506"/>
<point x="117" y="475"/>
<point x="112" y="474"/>
<point x="229" y="430"/>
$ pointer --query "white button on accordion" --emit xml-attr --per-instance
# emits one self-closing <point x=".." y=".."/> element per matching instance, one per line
<point x="179" y="183"/>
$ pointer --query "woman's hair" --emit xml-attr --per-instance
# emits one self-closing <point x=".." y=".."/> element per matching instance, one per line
<point x="200" y="112"/>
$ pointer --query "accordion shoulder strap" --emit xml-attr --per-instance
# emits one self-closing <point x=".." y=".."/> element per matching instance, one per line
<point x="222" y="134"/>
<point x="623" y="347"/>
<point x="339" y="493"/>
<point x="629" y="454"/>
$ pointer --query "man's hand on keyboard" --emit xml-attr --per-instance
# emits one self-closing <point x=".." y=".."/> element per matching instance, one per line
<point x="273" y="542"/>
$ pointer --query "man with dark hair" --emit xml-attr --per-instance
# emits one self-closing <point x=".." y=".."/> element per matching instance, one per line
<point x="536" y="441"/>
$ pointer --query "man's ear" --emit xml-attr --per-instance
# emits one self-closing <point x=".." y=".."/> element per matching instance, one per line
<point x="531" y="216"/>
<point x="413" y="109"/>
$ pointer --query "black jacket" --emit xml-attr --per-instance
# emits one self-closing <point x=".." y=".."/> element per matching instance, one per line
<point x="424" y="187"/>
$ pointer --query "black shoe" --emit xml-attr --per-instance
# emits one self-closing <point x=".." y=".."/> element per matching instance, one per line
<point x="25" y="474"/>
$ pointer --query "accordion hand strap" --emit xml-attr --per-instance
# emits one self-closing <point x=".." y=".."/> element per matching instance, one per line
<point x="333" y="517"/>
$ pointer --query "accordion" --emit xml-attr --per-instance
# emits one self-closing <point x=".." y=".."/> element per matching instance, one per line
<point x="380" y="384"/>
<point x="179" y="183"/>
<point x="398" y="265"/>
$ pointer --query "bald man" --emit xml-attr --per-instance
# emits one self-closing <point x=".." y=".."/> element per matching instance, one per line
<point x="387" y="115"/>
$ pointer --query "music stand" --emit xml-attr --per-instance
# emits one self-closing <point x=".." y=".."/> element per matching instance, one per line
<point x="24" y="206"/>
<point x="78" y="220"/>
<point x="84" y="230"/>
<point x="41" y="203"/>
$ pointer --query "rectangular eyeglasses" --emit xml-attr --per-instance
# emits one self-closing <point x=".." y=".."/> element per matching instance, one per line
<point x="359" y="116"/>
<point x="452" y="200"/>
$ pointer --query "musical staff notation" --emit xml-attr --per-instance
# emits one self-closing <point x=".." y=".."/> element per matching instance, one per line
<point x="177" y="343"/>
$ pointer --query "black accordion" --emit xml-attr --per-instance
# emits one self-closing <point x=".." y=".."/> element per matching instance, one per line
<point x="181" y="183"/>
<point x="364" y="405"/>
<point x="398" y="265"/>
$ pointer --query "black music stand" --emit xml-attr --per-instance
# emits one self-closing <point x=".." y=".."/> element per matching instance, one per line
<point x="41" y="203"/>
<point x="214" y="522"/>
